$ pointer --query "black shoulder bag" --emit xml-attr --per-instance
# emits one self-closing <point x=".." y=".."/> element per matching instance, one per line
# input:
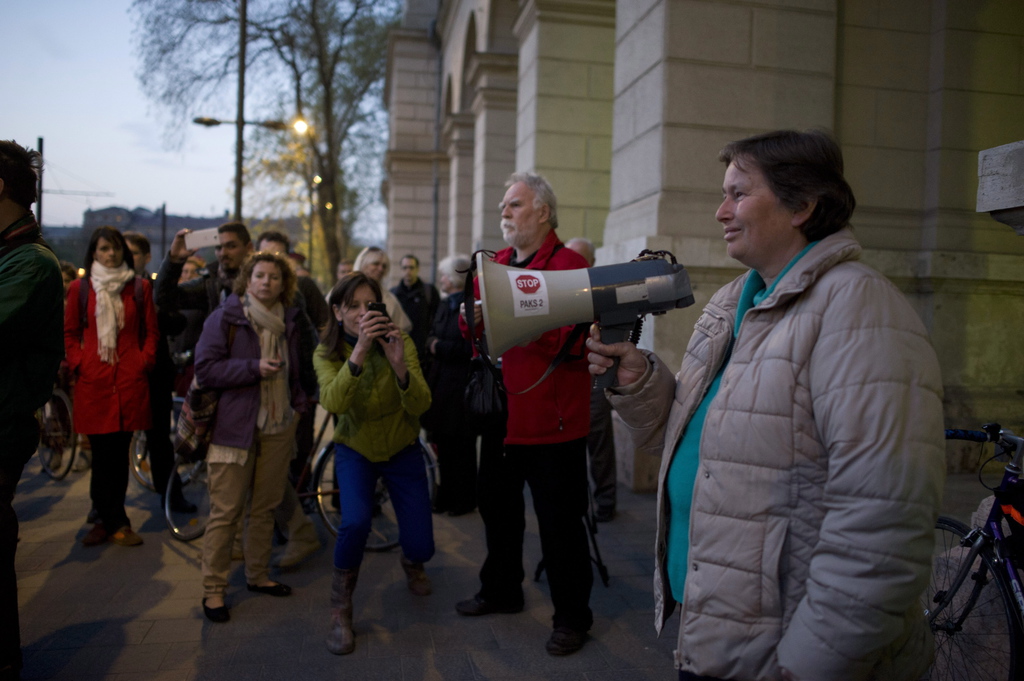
<point x="486" y="401"/>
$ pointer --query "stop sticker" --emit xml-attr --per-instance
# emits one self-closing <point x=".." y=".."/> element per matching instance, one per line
<point x="527" y="283"/>
<point x="529" y="293"/>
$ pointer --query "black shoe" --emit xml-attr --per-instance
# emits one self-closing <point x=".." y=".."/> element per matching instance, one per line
<point x="604" y="514"/>
<point x="272" y="590"/>
<point x="565" y="641"/>
<point x="477" y="606"/>
<point x="456" y="512"/>
<point x="216" y="614"/>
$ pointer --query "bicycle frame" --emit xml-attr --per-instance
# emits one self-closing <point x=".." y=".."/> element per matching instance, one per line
<point x="991" y="532"/>
<point x="994" y="525"/>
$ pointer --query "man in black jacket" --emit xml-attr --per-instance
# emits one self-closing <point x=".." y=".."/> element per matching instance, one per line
<point x="419" y="302"/>
<point x="31" y="348"/>
<point x="161" y="384"/>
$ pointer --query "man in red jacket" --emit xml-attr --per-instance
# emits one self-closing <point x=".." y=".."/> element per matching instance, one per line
<point x="545" y="443"/>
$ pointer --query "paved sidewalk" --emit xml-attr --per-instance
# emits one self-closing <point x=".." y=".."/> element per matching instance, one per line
<point x="133" y="614"/>
<point x="113" y="612"/>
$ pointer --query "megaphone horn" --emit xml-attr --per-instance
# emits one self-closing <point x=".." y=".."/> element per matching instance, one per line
<point x="520" y="304"/>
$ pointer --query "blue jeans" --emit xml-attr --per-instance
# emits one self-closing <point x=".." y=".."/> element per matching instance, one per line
<point x="406" y="480"/>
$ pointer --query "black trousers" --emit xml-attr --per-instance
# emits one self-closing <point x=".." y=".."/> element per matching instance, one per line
<point x="24" y="436"/>
<point x="110" y="477"/>
<point x="557" y="475"/>
<point x="687" y="676"/>
<point x="456" y="457"/>
<point x="158" y="437"/>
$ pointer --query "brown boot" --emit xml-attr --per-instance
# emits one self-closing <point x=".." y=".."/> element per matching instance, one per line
<point x="342" y="640"/>
<point x="416" y="577"/>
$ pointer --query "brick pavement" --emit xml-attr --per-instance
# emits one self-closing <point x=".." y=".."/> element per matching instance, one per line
<point x="133" y="613"/>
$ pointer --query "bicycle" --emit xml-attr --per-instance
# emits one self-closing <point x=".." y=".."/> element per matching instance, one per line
<point x="975" y="602"/>
<point x="138" y="450"/>
<point x="186" y="526"/>
<point x="138" y="461"/>
<point x="58" y="441"/>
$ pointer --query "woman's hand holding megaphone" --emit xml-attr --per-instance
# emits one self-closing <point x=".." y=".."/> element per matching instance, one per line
<point x="632" y="363"/>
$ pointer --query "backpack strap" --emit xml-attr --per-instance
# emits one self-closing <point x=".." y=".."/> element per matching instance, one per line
<point x="83" y="303"/>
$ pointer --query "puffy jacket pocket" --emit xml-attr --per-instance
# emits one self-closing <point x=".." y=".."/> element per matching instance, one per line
<point x="775" y="530"/>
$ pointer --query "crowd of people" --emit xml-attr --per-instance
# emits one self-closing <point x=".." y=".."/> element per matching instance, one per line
<point x="800" y="441"/>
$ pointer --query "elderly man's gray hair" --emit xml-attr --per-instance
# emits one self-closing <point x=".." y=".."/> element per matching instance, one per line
<point x="543" y="194"/>
<point x="583" y="246"/>
<point x="454" y="267"/>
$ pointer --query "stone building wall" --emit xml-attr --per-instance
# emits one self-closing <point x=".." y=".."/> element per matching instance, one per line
<point x="625" y="104"/>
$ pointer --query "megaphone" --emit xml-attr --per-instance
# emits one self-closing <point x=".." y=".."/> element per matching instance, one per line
<point x="519" y="304"/>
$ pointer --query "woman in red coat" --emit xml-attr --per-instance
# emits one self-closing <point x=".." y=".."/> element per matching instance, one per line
<point x="111" y="347"/>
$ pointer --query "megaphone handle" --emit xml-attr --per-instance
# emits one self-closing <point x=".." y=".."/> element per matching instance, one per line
<point x="614" y="333"/>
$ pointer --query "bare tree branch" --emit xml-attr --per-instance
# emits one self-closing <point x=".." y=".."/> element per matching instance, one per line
<point x="328" y="55"/>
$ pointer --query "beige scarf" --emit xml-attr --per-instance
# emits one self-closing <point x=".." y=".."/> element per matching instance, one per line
<point x="275" y="413"/>
<point x="107" y="283"/>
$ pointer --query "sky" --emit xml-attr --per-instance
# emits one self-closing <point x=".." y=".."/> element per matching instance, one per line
<point x="70" y="79"/>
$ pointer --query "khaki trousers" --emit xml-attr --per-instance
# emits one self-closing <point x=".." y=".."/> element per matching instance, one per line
<point x="263" y="474"/>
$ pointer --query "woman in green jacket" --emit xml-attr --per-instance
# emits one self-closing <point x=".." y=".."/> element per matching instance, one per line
<point x="370" y="378"/>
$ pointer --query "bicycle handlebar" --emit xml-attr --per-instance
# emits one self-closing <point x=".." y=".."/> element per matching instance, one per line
<point x="969" y="435"/>
<point x="1007" y="443"/>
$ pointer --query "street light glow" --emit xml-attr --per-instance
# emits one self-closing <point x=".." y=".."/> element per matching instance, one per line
<point x="317" y="179"/>
<point x="300" y="126"/>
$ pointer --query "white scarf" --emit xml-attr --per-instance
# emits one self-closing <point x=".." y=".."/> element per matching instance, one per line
<point x="107" y="283"/>
<point x="275" y="412"/>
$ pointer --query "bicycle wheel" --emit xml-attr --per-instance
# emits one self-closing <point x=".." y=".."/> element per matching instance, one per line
<point x="383" y="526"/>
<point x="433" y="472"/>
<point x="976" y="634"/>
<point x="58" y="441"/>
<point x="188" y="526"/>
<point x="138" y="461"/>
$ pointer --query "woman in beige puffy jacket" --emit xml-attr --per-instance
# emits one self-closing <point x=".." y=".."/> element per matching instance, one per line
<point x="801" y="441"/>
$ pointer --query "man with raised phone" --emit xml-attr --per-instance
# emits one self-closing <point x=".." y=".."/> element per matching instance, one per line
<point x="232" y="244"/>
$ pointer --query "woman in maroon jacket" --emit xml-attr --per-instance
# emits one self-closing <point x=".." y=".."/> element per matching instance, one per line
<point x="110" y="343"/>
<point x="256" y="367"/>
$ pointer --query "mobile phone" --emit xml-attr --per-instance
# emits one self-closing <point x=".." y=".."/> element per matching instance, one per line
<point x="379" y="307"/>
<point x="202" y="238"/>
<point x="383" y="309"/>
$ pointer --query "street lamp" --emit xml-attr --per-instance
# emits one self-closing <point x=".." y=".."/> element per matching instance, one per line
<point x="271" y="125"/>
<point x="300" y="126"/>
